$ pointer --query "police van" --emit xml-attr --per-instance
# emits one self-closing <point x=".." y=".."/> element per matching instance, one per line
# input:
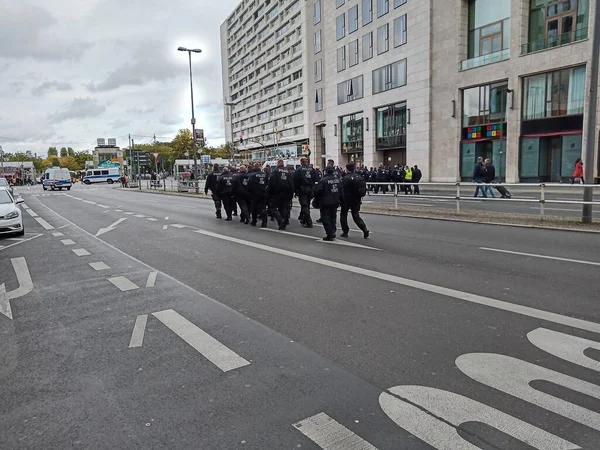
<point x="57" y="178"/>
<point x="102" y="175"/>
<point x="294" y="162"/>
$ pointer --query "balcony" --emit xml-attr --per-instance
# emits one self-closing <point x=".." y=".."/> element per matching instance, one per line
<point x="555" y="41"/>
<point x="484" y="60"/>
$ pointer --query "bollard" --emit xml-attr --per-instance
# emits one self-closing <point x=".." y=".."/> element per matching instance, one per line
<point x="542" y="200"/>
<point x="457" y="198"/>
<point x="396" y="195"/>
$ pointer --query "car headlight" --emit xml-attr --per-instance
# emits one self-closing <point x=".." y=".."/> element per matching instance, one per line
<point x="12" y="215"/>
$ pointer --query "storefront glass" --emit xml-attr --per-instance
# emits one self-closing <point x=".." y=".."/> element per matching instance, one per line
<point x="391" y="126"/>
<point x="352" y="133"/>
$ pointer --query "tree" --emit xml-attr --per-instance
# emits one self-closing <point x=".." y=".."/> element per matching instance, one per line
<point x="63" y="152"/>
<point x="52" y="151"/>
<point x="55" y="161"/>
<point x="182" y="143"/>
<point x="70" y="151"/>
<point x="81" y="158"/>
<point x="70" y="163"/>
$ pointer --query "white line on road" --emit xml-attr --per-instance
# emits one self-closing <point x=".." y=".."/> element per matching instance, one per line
<point x="123" y="283"/>
<point x="217" y="353"/>
<point x="111" y="227"/>
<point x="99" y="266"/>
<point x="61" y="227"/>
<point x="167" y="218"/>
<point x="20" y="242"/>
<point x="453" y="293"/>
<point x="137" y="337"/>
<point x="533" y="255"/>
<point x="178" y="225"/>
<point x="152" y="219"/>
<point x="81" y="252"/>
<point x="5" y="303"/>
<point x="43" y="223"/>
<point x="330" y="434"/>
<point x="118" y="210"/>
<point x="129" y="212"/>
<point x="316" y="239"/>
<point x="68" y="242"/>
<point x="25" y="286"/>
<point x="186" y="206"/>
<point x="31" y="212"/>
<point x="103" y="206"/>
<point x="165" y="227"/>
<point x="141" y="216"/>
<point x="24" y="206"/>
<point x="89" y="202"/>
<point x="151" y="279"/>
<point x="57" y="234"/>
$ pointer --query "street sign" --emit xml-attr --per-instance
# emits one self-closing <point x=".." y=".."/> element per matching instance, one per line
<point x="205" y="159"/>
<point x="199" y="134"/>
<point x="156" y="155"/>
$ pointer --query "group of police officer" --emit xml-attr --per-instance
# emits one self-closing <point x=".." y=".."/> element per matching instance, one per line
<point x="261" y="193"/>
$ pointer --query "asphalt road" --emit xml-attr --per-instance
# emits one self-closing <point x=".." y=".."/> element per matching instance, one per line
<point x="171" y="329"/>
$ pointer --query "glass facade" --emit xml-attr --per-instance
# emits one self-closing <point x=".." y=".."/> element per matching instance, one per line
<point x="549" y="158"/>
<point x="353" y="19"/>
<point x="367" y="46"/>
<point x="391" y="127"/>
<point x="485" y="104"/>
<point x="350" y="90"/>
<point x="389" y="77"/>
<point x="340" y="26"/>
<point x="367" y="12"/>
<point x="352" y="133"/>
<point x="489" y="31"/>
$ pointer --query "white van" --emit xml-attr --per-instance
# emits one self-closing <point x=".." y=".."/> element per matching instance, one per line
<point x="57" y="178"/>
<point x="108" y="175"/>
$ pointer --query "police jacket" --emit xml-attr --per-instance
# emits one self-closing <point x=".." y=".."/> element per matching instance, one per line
<point x="211" y="182"/>
<point x="398" y="175"/>
<point x="225" y="185"/>
<point x="280" y="182"/>
<point x="305" y="178"/>
<point x="329" y="191"/>
<point x="240" y="186"/>
<point x="417" y="175"/>
<point x="408" y="176"/>
<point x="354" y="188"/>
<point x="257" y="184"/>
<point x="382" y="176"/>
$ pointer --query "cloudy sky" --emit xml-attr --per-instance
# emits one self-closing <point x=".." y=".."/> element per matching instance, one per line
<point x="72" y="71"/>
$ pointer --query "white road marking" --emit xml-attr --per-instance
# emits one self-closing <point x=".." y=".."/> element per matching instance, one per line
<point x="43" y="223"/>
<point x="24" y="206"/>
<point x="20" y="242"/>
<point x="453" y="293"/>
<point x="118" y="210"/>
<point x="15" y="239"/>
<point x="331" y="435"/>
<point x="137" y="337"/>
<point x="564" y="346"/>
<point x="61" y="227"/>
<point x="31" y="212"/>
<point x="103" y="206"/>
<point x="217" y="353"/>
<point x="68" y="242"/>
<point x="5" y="308"/>
<point x="111" y="227"/>
<point x="141" y="216"/>
<point x="81" y="252"/>
<point x="178" y="225"/>
<point x="99" y="266"/>
<point x="129" y="212"/>
<point x="123" y="283"/>
<point x="151" y="201"/>
<point x="57" y="234"/>
<point x="167" y="218"/>
<point x="434" y="416"/>
<point x="186" y="206"/>
<point x="152" y="219"/>
<point x="513" y="376"/>
<point x="25" y="286"/>
<point x="533" y="255"/>
<point x="317" y="239"/>
<point x="151" y="279"/>
<point x="165" y="227"/>
<point x="89" y="202"/>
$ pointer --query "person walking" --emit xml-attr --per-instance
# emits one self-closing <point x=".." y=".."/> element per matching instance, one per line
<point x="578" y="173"/>
<point x="408" y="178"/>
<point x="211" y="183"/>
<point x="329" y="194"/>
<point x="416" y="177"/>
<point x="241" y="193"/>
<point x="490" y="176"/>
<point x="257" y="187"/>
<point x="224" y="192"/>
<point x="280" y="190"/>
<point x="305" y="178"/>
<point x="354" y="189"/>
<point x="479" y="177"/>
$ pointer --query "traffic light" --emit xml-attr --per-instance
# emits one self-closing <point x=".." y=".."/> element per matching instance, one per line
<point x="241" y="140"/>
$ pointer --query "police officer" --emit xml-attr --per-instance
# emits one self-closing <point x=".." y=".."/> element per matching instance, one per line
<point x="225" y="191"/>
<point x="211" y="183"/>
<point x="329" y="194"/>
<point x="280" y="191"/>
<point x="305" y="178"/>
<point x="354" y="188"/>
<point x="241" y="193"/>
<point x="257" y="188"/>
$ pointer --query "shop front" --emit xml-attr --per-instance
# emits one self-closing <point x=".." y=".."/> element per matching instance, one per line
<point x="353" y="138"/>
<point x="391" y="133"/>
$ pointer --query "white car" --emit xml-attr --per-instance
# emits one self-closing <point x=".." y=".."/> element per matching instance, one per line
<point x="11" y="217"/>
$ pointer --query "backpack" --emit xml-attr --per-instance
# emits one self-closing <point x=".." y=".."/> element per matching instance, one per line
<point x="360" y="186"/>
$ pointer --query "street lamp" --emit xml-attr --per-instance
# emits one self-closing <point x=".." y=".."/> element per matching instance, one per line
<point x="1" y="161"/>
<point x="190" y="51"/>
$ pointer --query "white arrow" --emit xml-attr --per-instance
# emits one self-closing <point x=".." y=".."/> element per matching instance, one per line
<point x="25" y="286"/>
<point x="111" y="227"/>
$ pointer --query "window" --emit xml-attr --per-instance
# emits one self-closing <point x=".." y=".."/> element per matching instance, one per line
<point x="318" y="46"/>
<point x="389" y="77"/>
<point x="557" y="22"/>
<point x="353" y="53"/>
<point x="350" y="90"/>
<point x="339" y="3"/>
<point x="558" y="93"/>
<point x="317" y="12"/>
<point x="400" y="31"/>
<point x="341" y="58"/>
<point x="352" y="132"/>
<point x="383" y="39"/>
<point x="353" y="19"/>
<point x="367" y="12"/>
<point x="96" y="172"/>
<point x="383" y="7"/>
<point x="391" y="127"/>
<point x="489" y="27"/>
<point x="318" y="70"/>
<point x="485" y="104"/>
<point x="340" y="26"/>
<point x="398" y="3"/>
<point x="319" y="99"/>
<point x="105" y="172"/>
<point x="367" y="46"/>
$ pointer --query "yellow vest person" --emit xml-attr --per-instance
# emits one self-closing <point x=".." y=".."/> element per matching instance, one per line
<point x="408" y="176"/>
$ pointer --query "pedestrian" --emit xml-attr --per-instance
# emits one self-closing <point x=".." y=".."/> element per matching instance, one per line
<point x="408" y="180"/>
<point x="225" y="192"/>
<point x="354" y="189"/>
<point x="305" y="178"/>
<point x="381" y="177"/>
<point x="257" y="188"/>
<point x="329" y="195"/>
<point x="416" y="177"/>
<point x="211" y="183"/>
<point x="479" y="177"/>
<point x="578" y="173"/>
<point x="241" y="193"/>
<point x="280" y="190"/>
<point x="490" y="176"/>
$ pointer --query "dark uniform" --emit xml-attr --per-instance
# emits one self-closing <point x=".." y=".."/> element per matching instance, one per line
<point x="281" y="191"/>
<point x="257" y="187"/>
<point x="305" y="178"/>
<point x="225" y="192"/>
<point x="355" y="189"/>
<point x="211" y="183"/>
<point x="242" y="195"/>
<point x="328" y="197"/>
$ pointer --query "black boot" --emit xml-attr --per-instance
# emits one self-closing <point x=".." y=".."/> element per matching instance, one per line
<point x="218" y="214"/>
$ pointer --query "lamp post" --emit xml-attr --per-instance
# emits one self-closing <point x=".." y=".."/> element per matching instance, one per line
<point x="190" y="51"/>
<point x="1" y="161"/>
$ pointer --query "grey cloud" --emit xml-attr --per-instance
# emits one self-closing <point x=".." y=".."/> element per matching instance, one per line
<point x="51" y="86"/>
<point x="170" y="120"/>
<point x="79" y="108"/>
<point x="140" y="111"/>
<point x="119" y="123"/>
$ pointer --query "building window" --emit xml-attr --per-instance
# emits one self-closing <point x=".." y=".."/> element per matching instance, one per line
<point x="350" y="90"/>
<point x="339" y="3"/>
<point x="383" y="39"/>
<point x="367" y="12"/>
<point x="352" y="133"/>
<point x="318" y="46"/>
<point x="317" y="12"/>
<point x="400" y="31"/>
<point x="391" y="127"/>
<point x="367" y="46"/>
<point x="489" y="27"/>
<point x="558" y="93"/>
<point x="353" y="19"/>
<point x="340" y="26"/>
<point x="341" y="58"/>
<point x="319" y="99"/>
<point x="389" y="77"/>
<point x="353" y="50"/>
<point x="383" y="7"/>
<point x="398" y="3"/>
<point x="318" y="70"/>
<point x="483" y="105"/>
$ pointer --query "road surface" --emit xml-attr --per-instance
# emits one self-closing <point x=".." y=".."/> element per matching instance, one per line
<point x="141" y="321"/>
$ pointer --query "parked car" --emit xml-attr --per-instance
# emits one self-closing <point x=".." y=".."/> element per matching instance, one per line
<point x="11" y="217"/>
<point x="4" y="183"/>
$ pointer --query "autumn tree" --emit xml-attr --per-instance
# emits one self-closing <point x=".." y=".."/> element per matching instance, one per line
<point x="52" y="151"/>
<point x="182" y="144"/>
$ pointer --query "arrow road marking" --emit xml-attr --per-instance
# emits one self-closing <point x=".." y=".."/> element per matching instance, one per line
<point x="25" y="286"/>
<point x="111" y="227"/>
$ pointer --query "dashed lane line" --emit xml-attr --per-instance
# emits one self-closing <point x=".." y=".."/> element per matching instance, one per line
<point x="68" y="242"/>
<point x="533" y="255"/>
<point x="165" y="227"/>
<point x="99" y="266"/>
<point x="151" y="279"/>
<point x="330" y="434"/>
<point x="137" y="337"/>
<point x="81" y="252"/>
<point x="43" y="223"/>
<point x="317" y="239"/>
<point x="31" y="212"/>
<point x="141" y="216"/>
<point x="118" y="210"/>
<point x="152" y="219"/>
<point x="178" y="225"/>
<point x="57" y="234"/>
<point x="124" y="284"/>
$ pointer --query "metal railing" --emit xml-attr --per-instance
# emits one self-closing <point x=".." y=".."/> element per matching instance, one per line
<point x="459" y="188"/>
<point x="556" y="41"/>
